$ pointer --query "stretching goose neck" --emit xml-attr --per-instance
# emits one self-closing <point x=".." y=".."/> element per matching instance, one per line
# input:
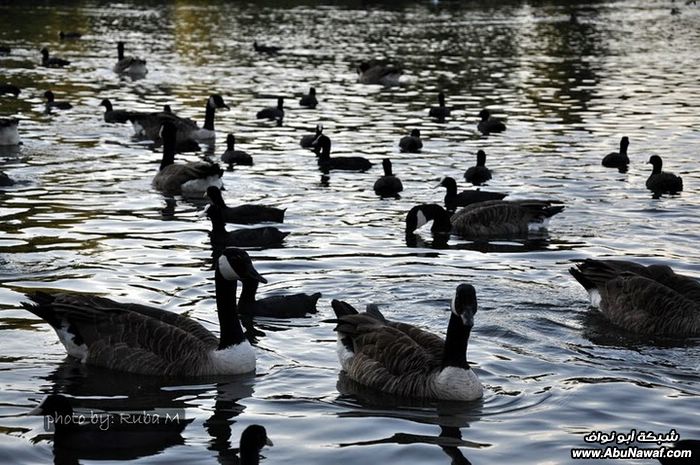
<point x="325" y="143"/>
<point x="280" y="103"/>
<point x="230" y="327"/>
<point x="250" y="288"/>
<point x="451" y="185"/>
<point x="441" y="99"/>
<point x="168" y="133"/>
<point x="657" y="163"/>
<point x="386" y="163"/>
<point x="624" y="143"/>
<point x="107" y="104"/>
<point x="214" y="194"/>
<point x="459" y="327"/>
<point x="215" y="101"/>
<point x="480" y="158"/>
<point x="120" y="51"/>
<point x="230" y="142"/>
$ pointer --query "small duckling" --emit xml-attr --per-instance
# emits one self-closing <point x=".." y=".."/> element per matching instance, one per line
<point x="411" y="143"/>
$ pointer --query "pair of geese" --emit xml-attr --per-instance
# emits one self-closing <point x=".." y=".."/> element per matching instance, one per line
<point x="124" y="65"/>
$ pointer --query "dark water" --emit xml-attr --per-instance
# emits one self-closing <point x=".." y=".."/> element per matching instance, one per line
<point x="83" y="216"/>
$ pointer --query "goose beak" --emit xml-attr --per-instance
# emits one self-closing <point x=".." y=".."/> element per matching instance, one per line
<point x="253" y="274"/>
<point x="268" y="442"/>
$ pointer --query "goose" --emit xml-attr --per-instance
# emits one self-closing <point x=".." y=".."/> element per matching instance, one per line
<point x="148" y="340"/>
<point x="307" y="140"/>
<point x="269" y="49"/>
<point x="220" y="238"/>
<point x="464" y="198"/>
<point x="440" y="112"/>
<point x="662" y="181"/>
<point x="244" y="214"/>
<point x="618" y="160"/>
<point x="309" y="100"/>
<point x="52" y="62"/>
<point x="253" y="439"/>
<point x="128" y="65"/>
<point x="70" y="35"/>
<point x="8" y="131"/>
<point x="276" y="306"/>
<point x="388" y="185"/>
<point x="404" y="360"/>
<point x="326" y="163"/>
<point x="5" y="180"/>
<point x="276" y="113"/>
<point x="51" y="103"/>
<point x="378" y="74"/>
<point x="489" y="124"/>
<point x="115" y="116"/>
<point x="493" y="218"/>
<point x="235" y="157"/>
<point x="479" y="173"/>
<point x="650" y="300"/>
<point x="183" y="178"/>
<point x="9" y="89"/>
<point x="411" y="143"/>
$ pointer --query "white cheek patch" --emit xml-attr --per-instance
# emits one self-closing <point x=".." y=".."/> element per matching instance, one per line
<point x="211" y="102"/>
<point x="227" y="270"/>
<point x="452" y="304"/>
<point x="421" y="220"/>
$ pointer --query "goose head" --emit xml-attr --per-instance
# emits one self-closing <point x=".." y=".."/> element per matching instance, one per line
<point x="420" y="215"/>
<point x="656" y="162"/>
<point x="107" y="104"/>
<point x="624" y="143"/>
<point x="464" y="304"/>
<point x="48" y="95"/>
<point x="235" y="265"/>
<point x="214" y="194"/>
<point x="415" y="133"/>
<point x="312" y="92"/>
<point x="484" y="114"/>
<point x="364" y="66"/>
<point x="441" y="99"/>
<point x="253" y="439"/>
<point x="449" y="183"/>
<point x="216" y="101"/>
<point x="323" y="146"/>
<point x="230" y="141"/>
<point x="45" y="53"/>
<point x="480" y="158"/>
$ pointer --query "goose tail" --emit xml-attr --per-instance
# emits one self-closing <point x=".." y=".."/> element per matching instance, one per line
<point x="42" y="307"/>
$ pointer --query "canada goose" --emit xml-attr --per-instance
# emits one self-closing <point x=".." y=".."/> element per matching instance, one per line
<point x="488" y="124"/>
<point x="115" y="116"/>
<point x="235" y="157"/>
<point x="244" y="214"/>
<point x="307" y="140"/>
<point x="403" y="360"/>
<point x="309" y="100"/>
<point x="52" y="62"/>
<point x="220" y="238"/>
<point x="661" y="181"/>
<point x="411" y="143"/>
<point x="269" y="49"/>
<point x="326" y="163"/>
<point x="9" y="89"/>
<point x="128" y="65"/>
<point x="440" y="112"/>
<point x="464" y="198"/>
<point x="51" y="103"/>
<point x="275" y="306"/>
<point x="71" y="35"/>
<point x="479" y="173"/>
<point x="183" y="178"/>
<point x="493" y="218"/>
<point x="8" y="131"/>
<point x="618" y="160"/>
<point x="388" y="185"/>
<point x="151" y="341"/>
<point x="273" y="112"/>
<point x="5" y="180"/>
<point x="650" y="300"/>
<point x="378" y="74"/>
<point x="253" y="439"/>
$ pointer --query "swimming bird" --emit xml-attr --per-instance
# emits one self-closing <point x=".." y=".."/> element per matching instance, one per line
<point x="128" y="65"/>
<point x="369" y="73"/>
<point x="9" y="89"/>
<point x="269" y="49"/>
<point x="404" y="360"/>
<point x="51" y="103"/>
<point x="490" y="219"/>
<point x="479" y="173"/>
<point x="412" y="142"/>
<point x="489" y="124"/>
<point x="307" y="140"/>
<point x="388" y="185"/>
<point x="651" y="300"/>
<point x="253" y="439"/>
<point x="183" y="178"/>
<point x="115" y="116"/>
<point x="70" y="35"/>
<point x="276" y="113"/>
<point x="5" y="180"/>
<point x="326" y="163"/>
<point x="618" y="160"/>
<point x="244" y="214"/>
<point x="52" y="62"/>
<point x="440" y="112"/>
<point x="148" y="340"/>
<point x="661" y="182"/>
<point x="309" y="100"/>
<point x="235" y="157"/>
<point x="464" y="198"/>
<point x="275" y="306"/>
<point x="220" y="238"/>
<point x="9" y="135"/>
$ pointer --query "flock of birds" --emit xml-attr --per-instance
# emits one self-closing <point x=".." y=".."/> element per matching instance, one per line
<point x="389" y="356"/>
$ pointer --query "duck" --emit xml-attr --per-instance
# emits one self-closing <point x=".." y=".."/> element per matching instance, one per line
<point x="406" y="361"/>
<point x="235" y="157"/>
<point x="70" y="35"/>
<point x="115" y="116"/>
<point x="650" y="300"/>
<point x="388" y="185"/>
<point x="188" y="179"/>
<point x="5" y="180"/>
<point x="464" y="198"/>
<point x="369" y="73"/>
<point x="489" y="124"/>
<point x="309" y="100"/>
<point x="244" y="214"/>
<point x="490" y="219"/>
<point x="137" y="338"/>
<point x="269" y="49"/>
<point x="479" y="173"/>
<point x="618" y="160"/>
<point x="326" y="163"/>
<point x="412" y="142"/>
<point x="276" y="113"/>
<point x="220" y="238"/>
<point x="307" y="140"/>
<point x="276" y="306"/>
<point x="440" y="112"/>
<point x="9" y="89"/>
<point x="51" y="103"/>
<point x="662" y="181"/>
<point x="9" y="135"/>
<point x="128" y="65"/>
<point x="253" y="439"/>
<point x="52" y="62"/>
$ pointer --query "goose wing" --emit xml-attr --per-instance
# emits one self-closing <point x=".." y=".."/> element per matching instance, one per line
<point x="172" y="177"/>
<point x="500" y="217"/>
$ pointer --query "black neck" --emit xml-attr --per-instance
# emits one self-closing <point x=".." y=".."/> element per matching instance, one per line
<point x="230" y="143"/>
<point x="230" y="327"/>
<point x="441" y="100"/>
<point x="623" y="148"/>
<point x="657" y="168"/>
<point x="120" y="53"/>
<point x="325" y="151"/>
<point x="387" y="170"/>
<point x="168" y="152"/>
<point x="249" y="455"/>
<point x="209" y="116"/>
<point x="217" y="219"/>
<point x="250" y="287"/>
<point x="481" y="159"/>
<point x="455" y="354"/>
<point x="108" y="105"/>
<point x="451" y="189"/>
